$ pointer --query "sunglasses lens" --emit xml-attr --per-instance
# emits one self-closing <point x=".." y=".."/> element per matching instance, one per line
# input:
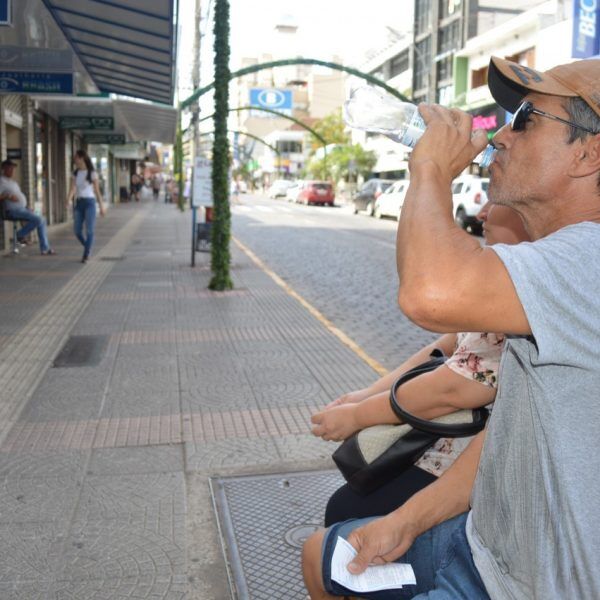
<point x="520" y="117"/>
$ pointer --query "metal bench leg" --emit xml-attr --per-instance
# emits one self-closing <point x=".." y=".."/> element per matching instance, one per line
<point x="15" y="244"/>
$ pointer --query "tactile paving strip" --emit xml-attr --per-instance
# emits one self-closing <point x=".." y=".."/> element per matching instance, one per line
<point x="264" y="520"/>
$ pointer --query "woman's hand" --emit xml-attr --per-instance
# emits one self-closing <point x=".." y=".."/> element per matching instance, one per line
<point x="102" y="210"/>
<point x="349" y="398"/>
<point x="337" y="423"/>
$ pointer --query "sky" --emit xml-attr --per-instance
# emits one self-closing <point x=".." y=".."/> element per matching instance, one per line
<point x="346" y="28"/>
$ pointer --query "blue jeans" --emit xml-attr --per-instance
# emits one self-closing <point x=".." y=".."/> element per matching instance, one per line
<point x="85" y="212"/>
<point x="441" y="559"/>
<point x="33" y="221"/>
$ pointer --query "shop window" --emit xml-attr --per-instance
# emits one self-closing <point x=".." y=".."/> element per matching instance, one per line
<point x="422" y="63"/>
<point x="422" y="16"/>
<point x="399" y="63"/>
<point x="288" y="147"/>
<point x="479" y="77"/>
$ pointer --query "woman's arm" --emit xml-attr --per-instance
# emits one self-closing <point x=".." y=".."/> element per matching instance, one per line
<point x="99" y="196"/>
<point x="430" y="395"/>
<point x="446" y="344"/>
<point x="71" y="196"/>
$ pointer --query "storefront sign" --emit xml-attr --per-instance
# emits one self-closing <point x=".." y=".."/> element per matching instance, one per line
<point x="18" y="58"/>
<point x="585" y="28"/>
<point x="14" y="153"/>
<point x="104" y="138"/>
<point x="202" y="182"/>
<point x="489" y="118"/>
<point x="20" y="82"/>
<point x="5" y="12"/>
<point x="101" y="123"/>
<point x="273" y="99"/>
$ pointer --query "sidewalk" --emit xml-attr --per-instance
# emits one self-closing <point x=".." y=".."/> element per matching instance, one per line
<point x="124" y="385"/>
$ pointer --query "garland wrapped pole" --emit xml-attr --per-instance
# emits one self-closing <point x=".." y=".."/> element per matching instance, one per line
<point x="221" y="226"/>
<point x="178" y="164"/>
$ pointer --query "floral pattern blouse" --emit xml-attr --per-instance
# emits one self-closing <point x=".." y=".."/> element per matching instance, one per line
<point x="477" y="357"/>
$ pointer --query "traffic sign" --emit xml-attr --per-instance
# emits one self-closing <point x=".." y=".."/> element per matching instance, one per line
<point x="277" y="99"/>
<point x="202" y="182"/>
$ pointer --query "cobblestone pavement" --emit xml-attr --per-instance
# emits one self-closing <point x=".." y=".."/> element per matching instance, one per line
<point x="344" y="264"/>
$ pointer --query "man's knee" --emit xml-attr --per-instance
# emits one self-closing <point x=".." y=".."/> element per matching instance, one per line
<point x="311" y="563"/>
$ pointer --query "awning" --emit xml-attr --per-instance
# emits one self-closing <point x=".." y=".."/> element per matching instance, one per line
<point x="137" y="121"/>
<point x="127" y="46"/>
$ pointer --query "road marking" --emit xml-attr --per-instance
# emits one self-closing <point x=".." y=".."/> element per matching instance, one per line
<point x="375" y="365"/>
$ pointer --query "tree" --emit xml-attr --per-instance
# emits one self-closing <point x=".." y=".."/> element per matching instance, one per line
<point x="221" y="226"/>
<point x="332" y="128"/>
<point x="343" y="162"/>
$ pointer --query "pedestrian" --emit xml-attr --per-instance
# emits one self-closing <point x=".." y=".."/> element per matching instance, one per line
<point x="83" y="194"/>
<point x="16" y="207"/>
<point x="135" y="187"/>
<point x="516" y="515"/>
<point x="156" y="185"/>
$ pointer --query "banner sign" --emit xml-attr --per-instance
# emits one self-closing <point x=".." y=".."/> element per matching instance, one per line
<point x="5" y="12"/>
<point x="202" y="182"/>
<point x="14" y="153"/>
<point x="585" y="28"/>
<point x="17" y="58"/>
<point x="20" y="82"/>
<point x="104" y="138"/>
<point x="273" y="99"/>
<point x="102" y="123"/>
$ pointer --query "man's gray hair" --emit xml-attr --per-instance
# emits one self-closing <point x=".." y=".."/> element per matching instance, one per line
<point x="581" y="113"/>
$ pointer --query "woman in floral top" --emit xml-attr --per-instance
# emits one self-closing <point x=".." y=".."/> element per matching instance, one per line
<point x="468" y="379"/>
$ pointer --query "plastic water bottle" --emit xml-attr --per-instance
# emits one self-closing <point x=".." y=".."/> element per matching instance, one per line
<point x="374" y="110"/>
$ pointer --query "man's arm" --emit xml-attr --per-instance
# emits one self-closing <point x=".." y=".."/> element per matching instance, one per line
<point x="447" y="281"/>
<point x="388" y="538"/>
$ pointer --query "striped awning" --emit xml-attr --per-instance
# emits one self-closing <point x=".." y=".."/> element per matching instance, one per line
<point x="127" y="46"/>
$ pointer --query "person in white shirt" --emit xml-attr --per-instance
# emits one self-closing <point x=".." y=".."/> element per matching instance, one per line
<point x="16" y="207"/>
<point x="84" y="192"/>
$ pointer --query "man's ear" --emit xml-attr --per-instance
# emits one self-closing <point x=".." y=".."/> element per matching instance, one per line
<point x="586" y="159"/>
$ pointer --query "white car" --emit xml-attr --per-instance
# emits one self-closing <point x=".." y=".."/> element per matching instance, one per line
<point x="469" y="194"/>
<point x="294" y="191"/>
<point x="389" y="204"/>
<point x="279" y="188"/>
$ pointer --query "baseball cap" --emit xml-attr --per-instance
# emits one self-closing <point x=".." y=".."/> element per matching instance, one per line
<point x="8" y="163"/>
<point x="509" y="82"/>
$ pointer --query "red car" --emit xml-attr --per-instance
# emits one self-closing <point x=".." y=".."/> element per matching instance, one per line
<point x="316" y="192"/>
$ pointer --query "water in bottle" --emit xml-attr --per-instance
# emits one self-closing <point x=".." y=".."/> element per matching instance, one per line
<point x="374" y="110"/>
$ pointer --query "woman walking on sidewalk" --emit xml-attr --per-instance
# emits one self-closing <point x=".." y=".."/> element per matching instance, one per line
<point x="84" y="192"/>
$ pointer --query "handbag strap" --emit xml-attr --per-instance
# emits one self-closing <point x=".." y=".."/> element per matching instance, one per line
<point x="468" y="428"/>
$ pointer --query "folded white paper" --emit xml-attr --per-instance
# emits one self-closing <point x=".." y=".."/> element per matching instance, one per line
<point x="390" y="576"/>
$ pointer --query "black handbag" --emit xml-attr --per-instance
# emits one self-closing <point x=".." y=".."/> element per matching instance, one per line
<point x="372" y="457"/>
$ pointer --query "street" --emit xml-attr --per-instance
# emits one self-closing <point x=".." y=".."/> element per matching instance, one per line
<point x="343" y="264"/>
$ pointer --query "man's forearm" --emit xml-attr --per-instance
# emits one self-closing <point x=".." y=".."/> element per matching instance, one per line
<point x="449" y="495"/>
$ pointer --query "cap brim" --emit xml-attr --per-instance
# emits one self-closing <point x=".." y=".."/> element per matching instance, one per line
<point x="509" y="82"/>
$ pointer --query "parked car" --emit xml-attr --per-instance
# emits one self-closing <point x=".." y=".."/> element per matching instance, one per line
<point x="316" y="192"/>
<point x="365" y="198"/>
<point x="294" y="190"/>
<point x="469" y="194"/>
<point x="279" y="188"/>
<point x="389" y="204"/>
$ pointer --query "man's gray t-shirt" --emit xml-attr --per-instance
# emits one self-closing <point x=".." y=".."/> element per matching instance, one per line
<point x="534" y="528"/>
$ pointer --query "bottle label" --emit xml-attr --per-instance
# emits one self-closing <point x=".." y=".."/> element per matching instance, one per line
<point x="414" y="130"/>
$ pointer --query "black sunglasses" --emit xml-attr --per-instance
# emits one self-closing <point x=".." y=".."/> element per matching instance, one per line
<point x="526" y="109"/>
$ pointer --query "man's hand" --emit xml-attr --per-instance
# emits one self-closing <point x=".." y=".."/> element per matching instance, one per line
<point x="448" y="141"/>
<point x="337" y="423"/>
<point x="381" y="541"/>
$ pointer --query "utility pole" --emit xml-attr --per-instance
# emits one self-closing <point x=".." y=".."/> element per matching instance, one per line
<point x="196" y="80"/>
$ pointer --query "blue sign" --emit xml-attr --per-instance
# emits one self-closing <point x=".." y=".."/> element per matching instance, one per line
<point x="272" y="98"/>
<point x="585" y="28"/>
<point x="5" y="12"/>
<point x="21" y="82"/>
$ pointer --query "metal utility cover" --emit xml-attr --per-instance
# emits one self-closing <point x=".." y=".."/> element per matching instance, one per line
<point x="82" y="351"/>
<point x="264" y="520"/>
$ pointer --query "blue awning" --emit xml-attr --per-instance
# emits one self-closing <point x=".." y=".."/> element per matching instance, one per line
<point x="127" y="46"/>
